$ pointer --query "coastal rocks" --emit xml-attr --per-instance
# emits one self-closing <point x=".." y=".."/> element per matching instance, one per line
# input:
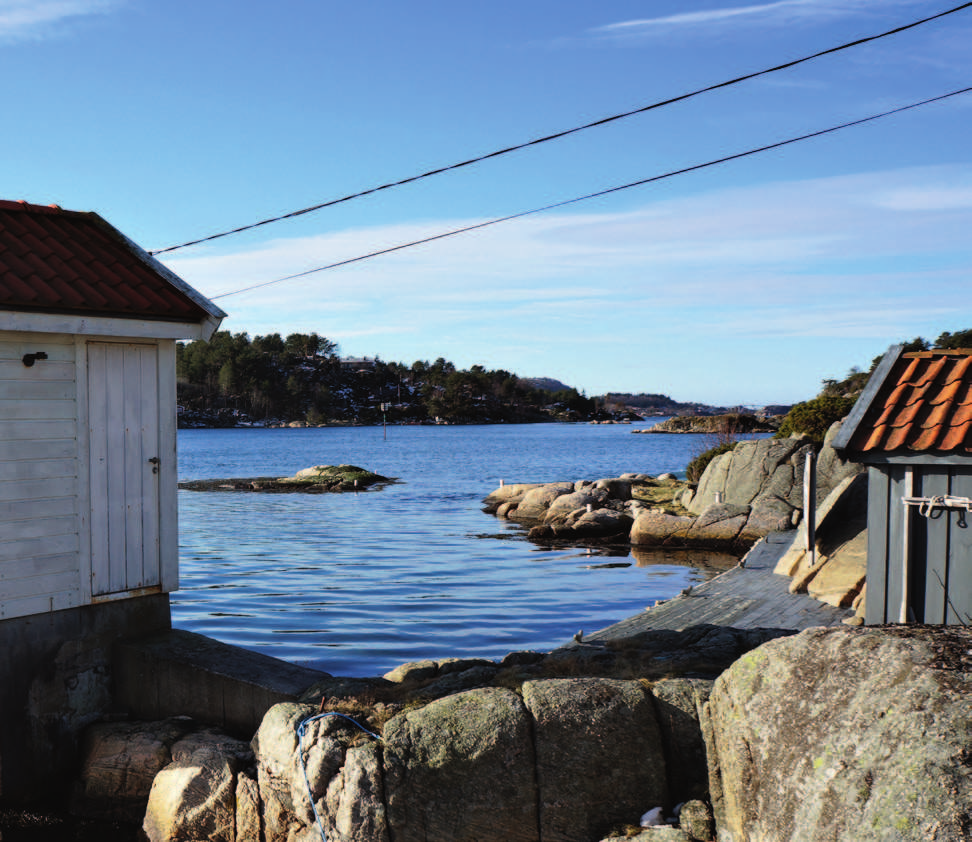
<point x="839" y="568"/>
<point x="854" y="735"/>
<point x="765" y="472"/>
<point x="731" y="424"/>
<point x="591" y="736"/>
<point x="721" y="526"/>
<point x="462" y="769"/>
<point x="768" y="474"/>
<point x="598" y="511"/>
<point x="121" y="759"/>
<point x="552" y="747"/>
<point x="315" y="480"/>
<point x="195" y="796"/>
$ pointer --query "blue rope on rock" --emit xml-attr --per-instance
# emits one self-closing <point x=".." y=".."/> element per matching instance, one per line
<point x="301" y="730"/>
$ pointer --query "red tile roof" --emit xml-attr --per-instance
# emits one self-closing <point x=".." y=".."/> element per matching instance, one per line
<point x="923" y="406"/>
<point x="53" y="260"/>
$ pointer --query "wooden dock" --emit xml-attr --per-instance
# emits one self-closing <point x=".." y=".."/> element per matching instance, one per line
<point x="748" y="596"/>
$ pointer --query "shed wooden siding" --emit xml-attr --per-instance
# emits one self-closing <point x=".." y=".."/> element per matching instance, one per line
<point x="40" y="532"/>
<point x="941" y="546"/>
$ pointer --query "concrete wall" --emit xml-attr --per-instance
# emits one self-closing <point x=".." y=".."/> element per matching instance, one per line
<point x="56" y="678"/>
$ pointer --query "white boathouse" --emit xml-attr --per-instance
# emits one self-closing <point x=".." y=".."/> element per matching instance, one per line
<point x="88" y="520"/>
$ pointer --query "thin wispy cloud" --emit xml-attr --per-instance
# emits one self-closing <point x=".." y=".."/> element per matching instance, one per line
<point x="25" y="20"/>
<point x="779" y="12"/>
<point x="822" y="251"/>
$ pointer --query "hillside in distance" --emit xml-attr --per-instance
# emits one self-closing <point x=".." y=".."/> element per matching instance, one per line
<point x="234" y="380"/>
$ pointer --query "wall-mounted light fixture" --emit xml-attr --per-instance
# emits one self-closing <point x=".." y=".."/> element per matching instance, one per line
<point x="30" y="359"/>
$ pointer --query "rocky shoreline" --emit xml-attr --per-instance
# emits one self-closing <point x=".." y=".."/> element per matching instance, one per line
<point x="717" y="425"/>
<point x="697" y="732"/>
<point x="704" y="733"/>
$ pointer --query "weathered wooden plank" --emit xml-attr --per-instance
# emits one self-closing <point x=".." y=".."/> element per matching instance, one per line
<point x="40" y="489"/>
<point x="38" y="410"/>
<point x="42" y="391"/>
<point x="36" y="430"/>
<point x="959" y="603"/>
<point x="878" y="491"/>
<point x="98" y="466"/>
<point x="38" y="566"/>
<point x="84" y="469"/>
<point x="744" y="597"/>
<point x="37" y="527"/>
<point x="13" y="346"/>
<point x="51" y="507"/>
<point x="28" y="606"/>
<point x="51" y="370"/>
<point x="931" y="554"/>
<point x="148" y="410"/>
<point x="104" y="326"/>
<point x="64" y="469"/>
<point x="134" y="461"/>
<point x="33" y="547"/>
<point x="168" y="529"/>
<point x="13" y="451"/>
<point x="38" y="585"/>
<point x="117" y="488"/>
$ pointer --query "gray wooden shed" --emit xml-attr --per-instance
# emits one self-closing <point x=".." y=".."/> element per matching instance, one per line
<point x="88" y="518"/>
<point x="912" y="427"/>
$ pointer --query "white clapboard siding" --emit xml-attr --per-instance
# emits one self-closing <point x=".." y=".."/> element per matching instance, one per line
<point x="66" y="448"/>
<point x="48" y="583"/>
<point x="40" y="604"/>
<point x="37" y="409"/>
<point x="51" y="565"/>
<point x="27" y="509"/>
<point x="39" y="469"/>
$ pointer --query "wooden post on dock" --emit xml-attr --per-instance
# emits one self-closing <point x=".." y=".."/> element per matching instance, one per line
<point x="810" y="504"/>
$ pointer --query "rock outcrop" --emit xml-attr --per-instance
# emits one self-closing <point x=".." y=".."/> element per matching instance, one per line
<point x="853" y="735"/>
<point x="850" y="735"/>
<point x="586" y="511"/>
<point x="722" y="425"/>
<point x="314" y="480"/>
<point x="743" y="495"/>
<point x="837" y="571"/>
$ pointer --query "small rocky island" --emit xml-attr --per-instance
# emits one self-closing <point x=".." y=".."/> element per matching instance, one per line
<point x="315" y="480"/>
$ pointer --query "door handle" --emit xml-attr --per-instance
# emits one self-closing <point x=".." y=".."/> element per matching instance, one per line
<point x="154" y="462"/>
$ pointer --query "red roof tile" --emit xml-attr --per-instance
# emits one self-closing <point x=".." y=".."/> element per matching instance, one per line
<point x="924" y="405"/>
<point x="53" y="260"/>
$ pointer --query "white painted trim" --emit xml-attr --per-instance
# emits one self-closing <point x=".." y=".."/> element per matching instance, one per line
<point x="106" y="326"/>
<point x="168" y="471"/>
<point x="84" y="472"/>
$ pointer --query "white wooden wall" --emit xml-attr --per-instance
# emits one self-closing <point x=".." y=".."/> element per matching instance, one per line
<point x="39" y="476"/>
<point x="55" y="501"/>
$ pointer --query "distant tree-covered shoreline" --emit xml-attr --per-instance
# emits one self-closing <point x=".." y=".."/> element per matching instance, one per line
<point x="233" y="378"/>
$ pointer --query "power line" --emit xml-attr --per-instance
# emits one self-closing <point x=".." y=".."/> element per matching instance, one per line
<point x="598" y="194"/>
<point x="565" y="133"/>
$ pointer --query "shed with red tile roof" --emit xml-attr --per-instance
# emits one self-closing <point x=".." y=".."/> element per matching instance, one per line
<point x="912" y="427"/>
<point x="88" y="526"/>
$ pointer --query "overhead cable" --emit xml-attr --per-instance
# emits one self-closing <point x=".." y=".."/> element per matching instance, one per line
<point x="566" y="132"/>
<point x="599" y="193"/>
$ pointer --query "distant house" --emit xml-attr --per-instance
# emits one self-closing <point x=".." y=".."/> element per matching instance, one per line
<point x="88" y="326"/>
<point x="912" y="427"/>
<point x="357" y="364"/>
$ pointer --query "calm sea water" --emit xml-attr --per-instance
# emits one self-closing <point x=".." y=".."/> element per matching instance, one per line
<point x="356" y="584"/>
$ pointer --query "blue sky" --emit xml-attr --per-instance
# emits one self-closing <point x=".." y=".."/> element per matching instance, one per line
<point x="744" y="283"/>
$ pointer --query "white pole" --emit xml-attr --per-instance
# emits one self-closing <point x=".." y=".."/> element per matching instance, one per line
<point x="810" y="504"/>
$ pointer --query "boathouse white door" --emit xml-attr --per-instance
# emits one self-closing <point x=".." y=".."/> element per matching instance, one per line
<point x="124" y="450"/>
